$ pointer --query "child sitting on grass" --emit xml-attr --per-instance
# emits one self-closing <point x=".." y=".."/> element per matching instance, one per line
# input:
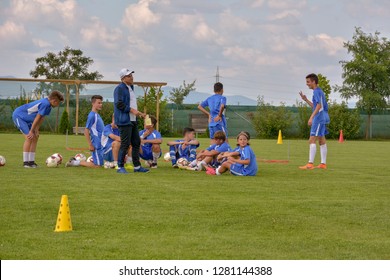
<point x="208" y="157"/>
<point x="184" y="148"/>
<point x="240" y="162"/>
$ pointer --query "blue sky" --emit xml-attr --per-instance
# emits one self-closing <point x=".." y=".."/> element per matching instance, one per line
<point x="262" y="47"/>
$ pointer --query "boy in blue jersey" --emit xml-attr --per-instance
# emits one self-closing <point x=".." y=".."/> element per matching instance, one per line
<point x="185" y="147"/>
<point x="111" y="142"/>
<point x="318" y="121"/>
<point x="94" y="134"/>
<point x="208" y="157"/>
<point x="28" y="119"/>
<point x="216" y="104"/>
<point x="151" y="140"/>
<point x="241" y="161"/>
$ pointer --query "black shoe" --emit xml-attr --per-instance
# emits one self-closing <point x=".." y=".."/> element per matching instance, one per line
<point x="33" y="164"/>
<point x="153" y="165"/>
<point x="26" y="164"/>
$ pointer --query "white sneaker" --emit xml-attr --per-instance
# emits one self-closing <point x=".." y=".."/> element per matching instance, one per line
<point x="70" y="163"/>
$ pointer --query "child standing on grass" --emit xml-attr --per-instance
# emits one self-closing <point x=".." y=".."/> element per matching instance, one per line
<point x="28" y="119"/>
<point x="318" y="121"/>
<point x="217" y="105"/>
<point x="185" y="147"/>
<point x="94" y="134"/>
<point x="240" y="162"/>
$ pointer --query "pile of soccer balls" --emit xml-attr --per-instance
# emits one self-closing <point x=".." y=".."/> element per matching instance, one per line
<point x="54" y="160"/>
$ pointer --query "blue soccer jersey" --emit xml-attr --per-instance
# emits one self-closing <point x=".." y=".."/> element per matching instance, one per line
<point x="224" y="147"/>
<point x="95" y="125"/>
<point x="319" y="98"/>
<point x="106" y="140"/>
<point x="152" y="136"/>
<point x="249" y="169"/>
<point x="29" y="111"/>
<point x="214" y="103"/>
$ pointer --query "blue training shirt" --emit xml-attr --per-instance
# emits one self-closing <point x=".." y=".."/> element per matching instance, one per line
<point x="184" y="152"/>
<point x="247" y="153"/>
<point x="29" y="111"/>
<point x="95" y="125"/>
<point x="319" y="98"/>
<point x="214" y="103"/>
<point x="152" y="136"/>
<point x="106" y="140"/>
<point x="224" y="147"/>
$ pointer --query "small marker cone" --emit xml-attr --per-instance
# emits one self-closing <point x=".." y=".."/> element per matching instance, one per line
<point x="63" y="220"/>
<point x="280" y="140"/>
<point x="341" y="138"/>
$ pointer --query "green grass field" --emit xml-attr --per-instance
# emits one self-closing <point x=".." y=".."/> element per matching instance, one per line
<point x="282" y="213"/>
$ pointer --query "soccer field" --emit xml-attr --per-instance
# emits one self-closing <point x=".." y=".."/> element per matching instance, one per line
<point x="282" y="213"/>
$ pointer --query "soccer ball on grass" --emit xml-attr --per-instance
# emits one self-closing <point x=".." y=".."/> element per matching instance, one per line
<point x="167" y="156"/>
<point x="51" y="161"/>
<point x="80" y="157"/>
<point x="182" y="162"/>
<point x="2" y="161"/>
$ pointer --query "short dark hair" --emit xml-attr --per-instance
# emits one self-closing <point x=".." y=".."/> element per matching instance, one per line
<point x="154" y="120"/>
<point x="188" y="129"/>
<point x="313" y="77"/>
<point x="218" y="87"/>
<point x="220" y="135"/>
<point x="96" y="97"/>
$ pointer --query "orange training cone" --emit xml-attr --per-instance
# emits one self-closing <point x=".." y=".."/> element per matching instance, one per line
<point x="341" y="138"/>
<point x="280" y="140"/>
<point x="63" y="220"/>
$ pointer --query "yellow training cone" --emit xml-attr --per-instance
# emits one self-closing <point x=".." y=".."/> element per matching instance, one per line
<point x="63" y="220"/>
<point x="280" y="140"/>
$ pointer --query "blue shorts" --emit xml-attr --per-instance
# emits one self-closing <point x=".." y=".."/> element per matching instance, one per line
<point x="23" y="126"/>
<point x="147" y="153"/>
<point x="213" y="129"/>
<point x="237" y="169"/>
<point x="97" y="156"/>
<point x="318" y="129"/>
<point x="108" y="156"/>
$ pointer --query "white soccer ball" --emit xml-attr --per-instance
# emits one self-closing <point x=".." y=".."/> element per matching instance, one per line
<point x="182" y="162"/>
<point x="51" y="162"/>
<point x="90" y="159"/>
<point x="167" y="157"/>
<point x="80" y="157"/>
<point x="107" y="165"/>
<point x="2" y="161"/>
<point x="58" y="157"/>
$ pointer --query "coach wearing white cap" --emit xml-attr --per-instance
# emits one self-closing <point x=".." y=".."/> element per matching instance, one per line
<point x="125" y="114"/>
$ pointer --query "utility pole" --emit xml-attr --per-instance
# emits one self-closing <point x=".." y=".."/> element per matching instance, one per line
<point x="217" y="75"/>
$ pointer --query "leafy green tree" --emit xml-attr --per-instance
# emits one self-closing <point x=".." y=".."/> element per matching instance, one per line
<point x="69" y="64"/>
<point x="165" y="114"/>
<point x="324" y="84"/>
<point x="342" y="118"/>
<point x="177" y="95"/>
<point x="367" y="75"/>
<point x="304" y="112"/>
<point x="268" y="119"/>
<point x="64" y="123"/>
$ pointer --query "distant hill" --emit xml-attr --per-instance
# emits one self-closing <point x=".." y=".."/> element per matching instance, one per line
<point x="13" y="89"/>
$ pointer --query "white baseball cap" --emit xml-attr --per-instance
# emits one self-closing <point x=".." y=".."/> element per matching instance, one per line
<point x="125" y="72"/>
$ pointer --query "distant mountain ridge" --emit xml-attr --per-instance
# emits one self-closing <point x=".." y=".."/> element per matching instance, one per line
<point x="12" y="89"/>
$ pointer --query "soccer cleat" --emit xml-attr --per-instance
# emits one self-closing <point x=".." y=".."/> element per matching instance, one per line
<point x="26" y="164"/>
<point x="141" y="170"/>
<point x="175" y="165"/>
<point x="210" y="171"/>
<point x="122" y="170"/>
<point x="308" y="166"/>
<point x="70" y="162"/>
<point x="33" y="164"/>
<point x="192" y="168"/>
<point x="153" y="165"/>
<point x="321" y="166"/>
